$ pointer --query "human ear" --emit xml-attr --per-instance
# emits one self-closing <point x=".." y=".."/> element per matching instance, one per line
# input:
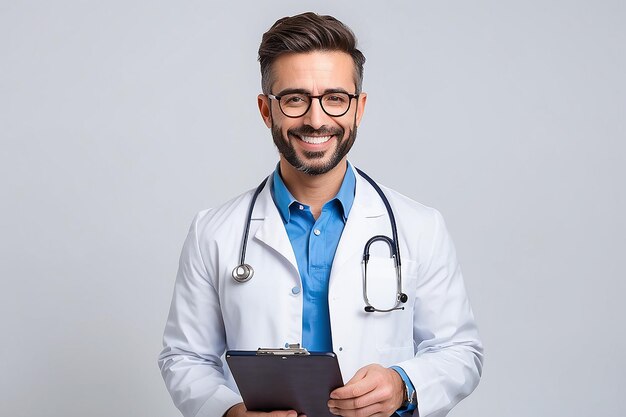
<point x="360" y="107"/>
<point x="264" y="108"/>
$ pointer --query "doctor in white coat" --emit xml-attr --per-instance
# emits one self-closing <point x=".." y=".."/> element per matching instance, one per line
<point x="434" y="339"/>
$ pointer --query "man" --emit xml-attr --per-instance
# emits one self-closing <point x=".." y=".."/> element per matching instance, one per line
<point x="307" y="232"/>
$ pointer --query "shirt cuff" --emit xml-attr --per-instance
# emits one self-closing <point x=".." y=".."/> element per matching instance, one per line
<point x="405" y="378"/>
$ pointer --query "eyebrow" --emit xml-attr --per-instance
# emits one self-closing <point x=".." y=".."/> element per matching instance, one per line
<point x="304" y="91"/>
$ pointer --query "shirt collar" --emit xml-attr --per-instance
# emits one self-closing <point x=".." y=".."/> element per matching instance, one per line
<point x="345" y="195"/>
<point x="283" y="198"/>
<point x="281" y="195"/>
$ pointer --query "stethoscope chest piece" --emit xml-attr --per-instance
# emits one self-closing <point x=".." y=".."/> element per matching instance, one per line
<point x="243" y="273"/>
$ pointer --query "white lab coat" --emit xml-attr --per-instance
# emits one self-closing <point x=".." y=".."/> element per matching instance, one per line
<point x="434" y="339"/>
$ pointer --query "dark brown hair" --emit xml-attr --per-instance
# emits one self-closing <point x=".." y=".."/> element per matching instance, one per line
<point x="307" y="32"/>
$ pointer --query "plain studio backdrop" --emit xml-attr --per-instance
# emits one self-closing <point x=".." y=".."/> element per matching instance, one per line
<point x="119" y="120"/>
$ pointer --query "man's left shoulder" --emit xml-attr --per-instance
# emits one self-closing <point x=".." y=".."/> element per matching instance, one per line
<point x="402" y="203"/>
<point x="427" y="221"/>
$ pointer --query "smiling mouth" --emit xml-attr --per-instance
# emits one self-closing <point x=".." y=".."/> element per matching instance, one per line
<point x="315" y="140"/>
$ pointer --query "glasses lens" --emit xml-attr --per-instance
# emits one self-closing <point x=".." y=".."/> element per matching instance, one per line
<point x="335" y="104"/>
<point x="294" y="105"/>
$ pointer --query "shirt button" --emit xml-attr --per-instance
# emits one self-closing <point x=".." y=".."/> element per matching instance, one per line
<point x="295" y="290"/>
<point x="316" y="232"/>
<point x="301" y="207"/>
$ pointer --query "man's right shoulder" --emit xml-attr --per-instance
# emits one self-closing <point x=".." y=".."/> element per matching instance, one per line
<point x="225" y="216"/>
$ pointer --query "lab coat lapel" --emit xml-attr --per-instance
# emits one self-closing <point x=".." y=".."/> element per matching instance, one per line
<point x="272" y="231"/>
<point x="367" y="207"/>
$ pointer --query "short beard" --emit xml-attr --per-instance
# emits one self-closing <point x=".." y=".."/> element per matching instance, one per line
<point x="289" y="153"/>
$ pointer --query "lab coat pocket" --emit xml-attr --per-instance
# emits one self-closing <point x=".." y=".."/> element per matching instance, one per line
<point x="391" y="356"/>
<point x="393" y="329"/>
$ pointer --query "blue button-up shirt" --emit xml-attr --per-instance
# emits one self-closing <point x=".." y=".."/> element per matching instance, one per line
<point x="314" y="244"/>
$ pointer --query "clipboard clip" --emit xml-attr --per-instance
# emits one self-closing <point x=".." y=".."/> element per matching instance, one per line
<point x="292" y="349"/>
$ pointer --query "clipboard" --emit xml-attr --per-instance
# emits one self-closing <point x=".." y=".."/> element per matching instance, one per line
<point x="285" y="379"/>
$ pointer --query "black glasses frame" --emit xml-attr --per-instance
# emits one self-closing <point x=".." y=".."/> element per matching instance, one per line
<point x="351" y="96"/>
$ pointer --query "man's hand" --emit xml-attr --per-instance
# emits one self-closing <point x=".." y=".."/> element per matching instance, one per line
<point x="239" y="410"/>
<point x="374" y="391"/>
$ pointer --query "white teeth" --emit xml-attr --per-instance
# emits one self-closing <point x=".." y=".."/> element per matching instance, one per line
<point x="315" y="139"/>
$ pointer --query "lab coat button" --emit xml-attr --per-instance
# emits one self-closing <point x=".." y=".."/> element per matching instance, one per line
<point x="295" y="290"/>
<point x="316" y="232"/>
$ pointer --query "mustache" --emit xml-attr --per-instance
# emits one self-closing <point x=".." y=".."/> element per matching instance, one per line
<point x="307" y="130"/>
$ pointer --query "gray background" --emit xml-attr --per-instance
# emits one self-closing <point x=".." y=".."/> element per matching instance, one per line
<point x="120" y="119"/>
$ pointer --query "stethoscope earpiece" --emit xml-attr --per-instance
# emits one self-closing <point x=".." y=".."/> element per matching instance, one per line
<point x="243" y="273"/>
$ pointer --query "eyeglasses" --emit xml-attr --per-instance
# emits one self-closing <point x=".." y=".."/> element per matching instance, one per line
<point x="296" y="105"/>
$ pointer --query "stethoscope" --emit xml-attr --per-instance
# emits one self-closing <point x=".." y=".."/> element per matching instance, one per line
<point x="244" y="272"/>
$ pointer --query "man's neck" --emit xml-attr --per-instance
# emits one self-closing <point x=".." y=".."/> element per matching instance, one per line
<point x="313" y="190"/>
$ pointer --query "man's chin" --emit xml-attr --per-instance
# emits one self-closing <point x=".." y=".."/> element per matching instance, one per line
<point x="313" y="156"/>
<point x="316" y="166"/>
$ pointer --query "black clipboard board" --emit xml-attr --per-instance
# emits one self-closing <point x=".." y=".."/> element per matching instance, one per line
<point x="285" y="379"/>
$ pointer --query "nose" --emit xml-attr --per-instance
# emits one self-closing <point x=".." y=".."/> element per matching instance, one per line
<point x="315" y="117"/>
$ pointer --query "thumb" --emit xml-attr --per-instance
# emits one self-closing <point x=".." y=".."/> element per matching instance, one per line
<point x="360" y="374"/>
<point x="288" y="413"/>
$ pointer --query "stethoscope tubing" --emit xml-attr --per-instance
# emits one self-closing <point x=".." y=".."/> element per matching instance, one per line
<point x="392" y="218"/>
<point x="246" y="232"/>
<point x="244" y="272"/>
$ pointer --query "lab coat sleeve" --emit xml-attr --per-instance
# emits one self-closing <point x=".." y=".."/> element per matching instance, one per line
<point x="449" y="355"/>
<point x="194" y="339"/>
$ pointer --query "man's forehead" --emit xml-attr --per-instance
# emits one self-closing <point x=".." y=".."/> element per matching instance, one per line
<point x="318" y="69"/>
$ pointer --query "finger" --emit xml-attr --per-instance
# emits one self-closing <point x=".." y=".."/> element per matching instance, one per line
<point x="372" y="397"/>
<point x="240" y="410"/>
<point x="360" y="374"/>
<point x="356" y="387"/>
<point x="374" y="410"/>
<point x="286" y="413"/>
